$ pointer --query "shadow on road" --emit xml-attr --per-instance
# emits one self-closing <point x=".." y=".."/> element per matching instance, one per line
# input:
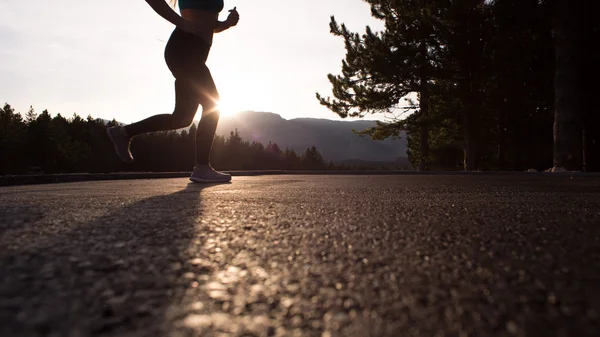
<point x="116" y="273"/>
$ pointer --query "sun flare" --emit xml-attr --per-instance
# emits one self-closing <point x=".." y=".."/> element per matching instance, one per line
<point x="226" y="109"/>
<point x="239" y="95"/>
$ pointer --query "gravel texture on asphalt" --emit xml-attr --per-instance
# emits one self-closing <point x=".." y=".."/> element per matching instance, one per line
<point x="472" y="255"/>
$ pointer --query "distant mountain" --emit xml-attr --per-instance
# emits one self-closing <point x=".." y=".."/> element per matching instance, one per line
<point x="334" y="139"/>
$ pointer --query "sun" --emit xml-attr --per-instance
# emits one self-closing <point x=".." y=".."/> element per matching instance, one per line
<point x="238" y="96"/>
<point x="226" y="109"/>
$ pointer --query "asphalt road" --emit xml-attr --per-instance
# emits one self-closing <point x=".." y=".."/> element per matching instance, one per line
<point x="434" y="255"/>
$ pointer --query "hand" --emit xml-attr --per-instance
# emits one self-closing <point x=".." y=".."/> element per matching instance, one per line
<point x="190" y="26"/>
<point x="233" y="17"/>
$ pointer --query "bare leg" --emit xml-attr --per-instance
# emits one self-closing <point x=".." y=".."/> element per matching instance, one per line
<point x="208" y="98"/>
<point x="203" y="172"/>
<point x="205" y="134"/>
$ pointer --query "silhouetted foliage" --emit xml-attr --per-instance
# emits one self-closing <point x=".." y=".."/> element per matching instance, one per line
<point x="13" y="140"/>
<point x="312" y="159"/>
<point x="45" y="144"/>
<point x="484" y="72"/>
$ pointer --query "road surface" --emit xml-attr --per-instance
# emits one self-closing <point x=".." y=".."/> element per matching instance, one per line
<point x="292" y="255"/>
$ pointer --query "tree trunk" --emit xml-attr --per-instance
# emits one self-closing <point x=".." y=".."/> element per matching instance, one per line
<point x="591" y="117"/>
<point x="567" y="87"/>
<point x="584" y="154"/>
<point x="472" y="103"/>
<point x="501" y="139"/>
<point x="469" y="144"/>
<point x="424" y="113"/>
<point x="470" y="68"/>
<point x="424" y="144"/>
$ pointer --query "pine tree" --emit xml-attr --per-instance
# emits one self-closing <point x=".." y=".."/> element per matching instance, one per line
<point x="13" y="133"/>
<point x="312" y="159"/>
<point x="480" y="74"/>
<point x="30" y="115"/>
<point x="568" y="147"/>
<point x="381" y="69"/>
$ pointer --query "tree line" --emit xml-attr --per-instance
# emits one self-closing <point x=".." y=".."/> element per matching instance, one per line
<point x="477" y="84"/>
<point x="33" y="143"/>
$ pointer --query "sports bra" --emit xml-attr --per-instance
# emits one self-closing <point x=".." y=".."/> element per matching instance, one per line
<point x="207" y="5"/>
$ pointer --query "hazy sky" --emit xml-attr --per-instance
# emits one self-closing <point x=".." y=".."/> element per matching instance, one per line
<point x="105" y="58"/>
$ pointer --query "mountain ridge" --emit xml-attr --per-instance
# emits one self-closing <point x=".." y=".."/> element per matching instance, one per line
<point x="334" y="139"/>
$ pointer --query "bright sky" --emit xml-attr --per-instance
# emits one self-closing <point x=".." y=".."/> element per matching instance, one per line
<point x="105" y="58"/>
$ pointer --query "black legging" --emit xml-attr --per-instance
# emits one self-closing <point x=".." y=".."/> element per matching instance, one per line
<point x="186" y="55"/>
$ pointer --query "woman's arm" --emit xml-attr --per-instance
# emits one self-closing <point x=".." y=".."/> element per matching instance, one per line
<point x="231" y="21"/>
<point x="221" y="26"/>
<point x="163" y="9"/>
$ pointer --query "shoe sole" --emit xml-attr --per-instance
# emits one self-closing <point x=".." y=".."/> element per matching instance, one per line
<point x="110" y="136"/>
<point x="205" y="181"/>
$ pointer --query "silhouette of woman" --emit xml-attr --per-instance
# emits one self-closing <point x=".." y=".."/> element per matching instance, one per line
<point x="185" y="54"/>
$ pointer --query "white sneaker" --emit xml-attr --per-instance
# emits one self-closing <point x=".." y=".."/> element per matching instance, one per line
<point x="121" y="142"/>
<point x="206" y="174"/>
